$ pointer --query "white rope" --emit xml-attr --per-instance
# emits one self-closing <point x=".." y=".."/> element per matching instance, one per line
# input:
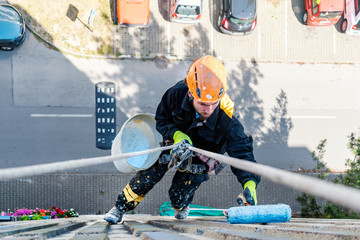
<point x="344" y="196"/>
<point x="336" y="193"/>
<point x="27" y="171"/>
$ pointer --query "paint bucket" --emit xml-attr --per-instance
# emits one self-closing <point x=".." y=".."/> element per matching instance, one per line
<point x="138" y="133"/>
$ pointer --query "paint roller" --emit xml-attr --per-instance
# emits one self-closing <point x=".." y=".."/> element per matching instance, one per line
<point x="275" y="213"/>
<point x="248" y="213"/>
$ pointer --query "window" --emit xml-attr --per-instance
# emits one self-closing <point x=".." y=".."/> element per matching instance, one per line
<point x="241" y="21"/>
<point x="315" y="7"/>
<point x="7" y="13"/>
<point x="329" y="14"/>
<point x="188" y="10"/>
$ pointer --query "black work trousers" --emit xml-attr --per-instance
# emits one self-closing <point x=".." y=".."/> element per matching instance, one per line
<point x="181" y="192"/>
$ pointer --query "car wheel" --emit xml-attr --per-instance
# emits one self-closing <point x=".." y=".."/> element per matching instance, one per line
<point x="305" y="18"/>
<point x="6" y="48"/>
<point x="344" y="25"/>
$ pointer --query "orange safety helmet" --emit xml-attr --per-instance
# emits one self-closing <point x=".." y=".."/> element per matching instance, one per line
<point x="206" y="79"/>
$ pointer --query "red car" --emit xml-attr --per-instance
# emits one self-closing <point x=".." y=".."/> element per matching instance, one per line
<point x="322" y="12"/>
<point x="133" y="13"/>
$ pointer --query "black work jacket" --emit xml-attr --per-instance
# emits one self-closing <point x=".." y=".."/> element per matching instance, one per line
<point x="220" y="133"/>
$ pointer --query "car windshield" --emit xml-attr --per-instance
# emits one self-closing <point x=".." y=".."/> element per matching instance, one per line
<point x="7" y="13"/>
<point x="241" y="21"/>
<point x="329" y="14"/>
<point x="315" y="7"/>
<point x="188" y="10"/>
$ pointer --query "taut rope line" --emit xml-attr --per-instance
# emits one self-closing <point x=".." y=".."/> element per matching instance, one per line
<point x="336" y="193"/>
<point x="342" y="195"/>
<point x="27" y="171"/>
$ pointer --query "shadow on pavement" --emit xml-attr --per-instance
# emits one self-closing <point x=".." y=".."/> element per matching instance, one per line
<point x="164" y="9"/>
<point x="270" y="136"/>
<point x="113" y="11"/>
<point x="273" y="149"/>
<point x="45" y="82"/>
<point x="298" y="7"/>
<point x="214" y="14"/>
<point x="338" y="24"/>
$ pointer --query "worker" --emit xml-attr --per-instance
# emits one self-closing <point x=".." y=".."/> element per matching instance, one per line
<point x="195" y="111"/>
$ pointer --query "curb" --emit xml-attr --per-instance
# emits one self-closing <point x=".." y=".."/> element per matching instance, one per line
<point x="122" y="57"/>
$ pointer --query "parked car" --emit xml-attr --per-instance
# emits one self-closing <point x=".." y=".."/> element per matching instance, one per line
<point x="351" y="21"/>
<point x="133" y="13"/>
<point x="185" y="11"/>
<point x="237" y="17"/>
<point x="12" y="27"/>
<point x="323" y="12"/>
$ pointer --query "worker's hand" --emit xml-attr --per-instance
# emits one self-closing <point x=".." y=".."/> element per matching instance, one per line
<point x="181" y="152"/>
<point x="249" y="195"/>
<point x="212" y="163"/>
<point x="179" y="136"/>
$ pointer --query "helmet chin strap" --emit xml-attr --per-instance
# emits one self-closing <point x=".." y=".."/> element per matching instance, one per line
<point x="191" y="97"/>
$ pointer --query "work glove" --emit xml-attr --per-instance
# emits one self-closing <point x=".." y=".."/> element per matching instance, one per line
<point x="248" y="197"/>
<point x="179" y="136"/>
<point x="180" y="153"/>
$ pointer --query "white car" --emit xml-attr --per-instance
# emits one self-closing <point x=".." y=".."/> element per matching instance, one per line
<point x="185" y="11"/>
<point x="351" y="21"/>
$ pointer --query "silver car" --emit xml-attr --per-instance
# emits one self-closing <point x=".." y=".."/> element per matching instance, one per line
<point x="351" y="20"/>
<point x="185" y="11"/>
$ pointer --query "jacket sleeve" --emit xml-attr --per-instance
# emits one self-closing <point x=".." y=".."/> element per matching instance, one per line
<point x="239" y="145"/>
<point x="164" y="120"/>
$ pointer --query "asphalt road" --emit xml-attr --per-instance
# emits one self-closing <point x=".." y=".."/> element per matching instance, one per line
<point x="47" y="105"/>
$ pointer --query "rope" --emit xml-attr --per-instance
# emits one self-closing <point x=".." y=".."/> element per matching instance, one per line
<point x="336" y="193"/>
<point x="9" y="173"/>
<point x="344" y="196"/>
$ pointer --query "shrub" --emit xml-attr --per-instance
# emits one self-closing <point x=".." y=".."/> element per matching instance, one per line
<point x="351" y="178"/>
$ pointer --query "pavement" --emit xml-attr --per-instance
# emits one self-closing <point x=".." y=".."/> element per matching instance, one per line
<point x="164" y="228"/>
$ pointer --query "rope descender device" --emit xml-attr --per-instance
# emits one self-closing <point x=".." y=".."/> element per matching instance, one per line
<point x="180" y="153"/>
